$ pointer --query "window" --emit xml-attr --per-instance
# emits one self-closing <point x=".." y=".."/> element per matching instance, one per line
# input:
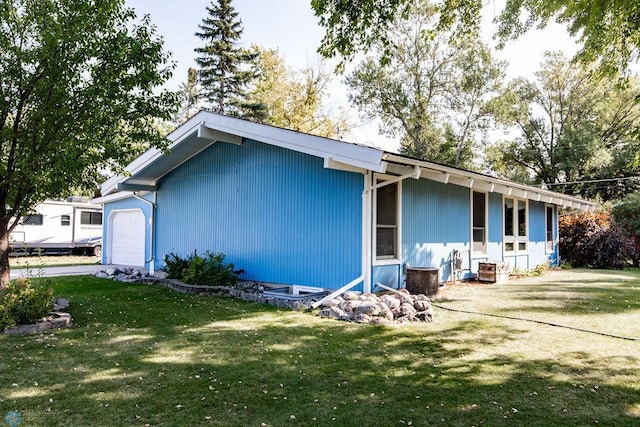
<point x="90" y="218"/>
<point x="387" y="221"/>
<point x="508" y="217"/>
<point x="515" y="225"/>
<point x="549" y="235"/>
<point x="31" y="219"/>
<point x="65" y="220"/>
<point x="479" y="222"/>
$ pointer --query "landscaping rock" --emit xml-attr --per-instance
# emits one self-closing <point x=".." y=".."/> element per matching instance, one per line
<point x="371" y="308"/>
<point x="332" y="313"/>
<point x="421" y="305"/>
<point x="350" y="295"/>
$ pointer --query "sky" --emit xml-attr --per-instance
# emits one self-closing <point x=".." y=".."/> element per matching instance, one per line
<point x="291" y="27"/>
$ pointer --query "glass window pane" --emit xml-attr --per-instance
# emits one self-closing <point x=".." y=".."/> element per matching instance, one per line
<point x="522" y="246"/>
<point x="508" y="247"/>
<point x="65" y="220"/>
<point x="508" y="217"/>
<point x="90" y="218"/>
<point x="387" y="204"/>
<point x="33" y="219"/>
<point x="96" y="218"/>
<point x="478" y="209"/>
<point x="522" y="218"/>
<point x="549" y="229"/>
<point x="85" y="217"/>
<point x="478" y="234"/>
<point x="386" y="242"/>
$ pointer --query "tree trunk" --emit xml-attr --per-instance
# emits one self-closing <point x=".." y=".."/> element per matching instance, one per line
<point x="4" y="255"/>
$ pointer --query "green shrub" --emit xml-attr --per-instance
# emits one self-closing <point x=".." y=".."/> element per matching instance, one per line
<point x="208" y="269"/>
<point x="21" y="303"/>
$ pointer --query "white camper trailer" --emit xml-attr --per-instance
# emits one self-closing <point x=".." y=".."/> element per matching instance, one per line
<point x="74" y="225"/>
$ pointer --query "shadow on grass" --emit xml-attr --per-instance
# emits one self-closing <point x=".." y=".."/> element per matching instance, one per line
<point x="589" y="292"/>
<point x="144" y="355"/>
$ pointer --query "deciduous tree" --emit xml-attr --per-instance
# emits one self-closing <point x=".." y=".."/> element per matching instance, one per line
<point x="570" y="126"/>
<point x="78" y="95"/>
<point x="609" y="31"/>
<point x="295" y="99"/>
<point x="433" y="90"/>
<point x="353" y="27"/>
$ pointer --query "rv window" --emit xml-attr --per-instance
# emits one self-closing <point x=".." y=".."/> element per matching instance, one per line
<point x="90" y="218"/>
<point x="33" y="219"/>
<point x="65" y="220"/>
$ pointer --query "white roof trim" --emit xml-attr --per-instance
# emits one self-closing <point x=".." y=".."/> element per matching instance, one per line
<point x="113" y="197"/>
<point x="206" y="125"/>
<point x="473" y="180"/>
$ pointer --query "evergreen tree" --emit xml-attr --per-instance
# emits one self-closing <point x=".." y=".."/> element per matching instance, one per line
<point x="225" y="68"/>
<point x="190" y="94"/>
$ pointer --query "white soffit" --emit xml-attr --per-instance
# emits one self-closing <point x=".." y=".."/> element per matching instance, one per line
<point x="476" y="181"/>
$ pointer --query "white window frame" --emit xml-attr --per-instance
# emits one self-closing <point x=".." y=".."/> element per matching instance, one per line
<point x="553" y="229"/>
<point x="516" y="239"/>
<point x="486" y="224"/>
<point x="386" y="261"/>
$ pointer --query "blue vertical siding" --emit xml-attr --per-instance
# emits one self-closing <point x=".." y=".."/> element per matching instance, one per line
<point x="537" y="239"/>
<point x="435" y="221"/>
<point x="276" y="213"/>
<point x="126" y="204"/>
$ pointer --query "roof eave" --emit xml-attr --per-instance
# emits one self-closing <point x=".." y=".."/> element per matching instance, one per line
<point x="474" y="180"/>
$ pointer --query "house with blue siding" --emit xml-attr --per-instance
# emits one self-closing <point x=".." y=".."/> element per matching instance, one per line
<point x="315" y="213"/>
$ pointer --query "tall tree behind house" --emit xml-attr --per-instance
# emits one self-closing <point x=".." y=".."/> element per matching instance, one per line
<point x="226" y="69"/>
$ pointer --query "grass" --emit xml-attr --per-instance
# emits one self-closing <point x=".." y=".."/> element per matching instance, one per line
<point x="142" y="355"/>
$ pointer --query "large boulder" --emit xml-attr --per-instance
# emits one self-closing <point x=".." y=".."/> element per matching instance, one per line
<point x="367" y="307"/>
<point x="351" y="295"/>
<point x="421" y="305"/>
<point x="391" y="301"/>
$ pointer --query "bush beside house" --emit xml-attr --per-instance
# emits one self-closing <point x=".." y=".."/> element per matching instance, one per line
<point x="208" y="269"/>
<point x="594" y="239"/>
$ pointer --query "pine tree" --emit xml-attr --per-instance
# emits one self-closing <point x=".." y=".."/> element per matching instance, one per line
<point x="190" y="94"/>
<point x="226" y="69"/>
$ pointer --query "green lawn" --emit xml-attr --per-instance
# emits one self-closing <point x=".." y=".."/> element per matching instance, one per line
<point x="143" y="355"/>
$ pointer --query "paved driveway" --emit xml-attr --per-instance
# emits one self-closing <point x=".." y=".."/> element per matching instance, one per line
<point x="72" y="270"/>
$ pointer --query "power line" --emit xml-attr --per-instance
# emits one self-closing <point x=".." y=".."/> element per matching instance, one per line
<point x="593" y="180"/>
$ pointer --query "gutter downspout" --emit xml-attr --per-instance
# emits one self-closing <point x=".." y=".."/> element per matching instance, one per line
<point x="366" y="233"/>
<point x="152" y="243"/>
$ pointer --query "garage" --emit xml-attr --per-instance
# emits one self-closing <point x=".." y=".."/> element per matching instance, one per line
<point x="127" y="242"/>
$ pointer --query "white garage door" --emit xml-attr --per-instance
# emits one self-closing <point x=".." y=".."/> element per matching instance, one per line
<point x="127" y="238"/>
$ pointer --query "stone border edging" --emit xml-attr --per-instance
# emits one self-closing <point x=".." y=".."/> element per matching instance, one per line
<point x="56" y="319"/>
<point x="59" y="320"/>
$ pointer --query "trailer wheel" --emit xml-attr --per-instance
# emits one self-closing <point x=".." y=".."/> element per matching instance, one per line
<point x="97" y="251"/>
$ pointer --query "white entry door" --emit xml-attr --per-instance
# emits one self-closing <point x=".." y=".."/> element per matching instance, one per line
<point x="127" y="231"/>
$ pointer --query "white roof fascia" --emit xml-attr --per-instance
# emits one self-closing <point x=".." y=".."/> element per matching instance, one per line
<point x="470" y="179"/>
<point x="153" y="154"/>
<point x="114" y="197"/>
<point x="355" y="155"/>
